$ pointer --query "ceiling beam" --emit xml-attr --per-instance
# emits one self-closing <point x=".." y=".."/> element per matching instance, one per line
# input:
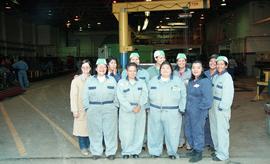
<point x="265" y="20"/>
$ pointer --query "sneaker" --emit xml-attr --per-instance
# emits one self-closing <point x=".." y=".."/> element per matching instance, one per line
<point x="85" y="152"/>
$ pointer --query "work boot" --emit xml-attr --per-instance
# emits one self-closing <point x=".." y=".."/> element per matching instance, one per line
<point x="190" y="153"/>
<point x="196" y="157"/>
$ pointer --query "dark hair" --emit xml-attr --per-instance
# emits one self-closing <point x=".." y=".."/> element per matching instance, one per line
<point x="110" y="59"/>
<point x="132" y="64"/>
<point x="86" y="61"/>
<point x="166" y="63"/>
<point x="83" y="62"/>
<point x="202" y="74"/>
<point x="213" y="56"/>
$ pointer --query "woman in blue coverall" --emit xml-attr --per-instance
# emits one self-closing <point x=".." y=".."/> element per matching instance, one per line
<point x="199" y="101"/>
<point x="167" y="98"/>
<point x="132" y="94"/>
<point x="112" y="68"/>
<point x="101" y="103"/>
<point x="220" y="112"/>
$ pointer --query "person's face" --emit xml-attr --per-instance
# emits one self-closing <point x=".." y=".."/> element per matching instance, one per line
<point x="196" y="69"/>
<point x="135" y="59"/>
<point x="112" y="65"/>
<point x="131" y="72"/>
<point x="181" y="63"/>
<point x="165" y="71"/>
<point x="221" y="66"/>
<point x="213" y="63"/>
<point x="101" y="69"/>
<point x="85" y="68"/>
<point x="160" y="59"/>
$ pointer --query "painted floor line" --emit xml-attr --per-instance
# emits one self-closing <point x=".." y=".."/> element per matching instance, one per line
<point x="52" y="123"/>
<point x="13" y="131"/>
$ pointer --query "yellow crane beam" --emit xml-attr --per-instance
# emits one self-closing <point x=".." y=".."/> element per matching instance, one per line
<point x="121" y="10"/>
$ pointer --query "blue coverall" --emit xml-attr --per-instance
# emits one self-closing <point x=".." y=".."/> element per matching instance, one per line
<point x="101" y="103"/>
<point x="220" y="113"/>
<point x="199" y="101"/>
<point x="22" y="68"/>
<point x="131" y="125"/>
<point x="167" y="99"/>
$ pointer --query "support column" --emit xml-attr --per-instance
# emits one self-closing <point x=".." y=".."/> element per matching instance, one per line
<point x="123" y="36"/>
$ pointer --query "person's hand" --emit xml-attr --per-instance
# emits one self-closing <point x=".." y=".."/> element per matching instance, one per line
<point x="137" y="109"/>
<point x="76" y="114"/>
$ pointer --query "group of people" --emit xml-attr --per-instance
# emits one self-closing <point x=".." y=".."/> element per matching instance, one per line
<point x="164" y="104"/>
<point x="12" y="70"/>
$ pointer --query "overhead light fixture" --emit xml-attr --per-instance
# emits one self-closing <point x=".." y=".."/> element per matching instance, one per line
<point x="114" y="1"/>
<point x="148" y="0"/>
<point x="201" y="17"/>
<point x="98" y="23"/>
<point x="160" y="29"/>
<point x="145" y="24"/>
<point x="68" y="24"/>
<point x="77" y="18"/>
<point x="191" y="12"/>
<point x="167" y="18"/>
<point x="50" y="13"/>
<point x="173" y="27"/>
<point x="160" y="21"/>
<point x="147" y="13"/>
<point x="223" y="3"/>
<point x="7" y="6"/>
<point x="177" y="24"/>
<point x="139" y="28"/>
<point x="185" y="15"/>
<point x="80" y="29"/>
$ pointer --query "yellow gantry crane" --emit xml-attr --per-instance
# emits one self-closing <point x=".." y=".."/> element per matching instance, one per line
<point x="121" y="10"/>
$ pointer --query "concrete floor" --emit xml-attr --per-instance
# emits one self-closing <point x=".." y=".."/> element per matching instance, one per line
<point x="36" y="127"/>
